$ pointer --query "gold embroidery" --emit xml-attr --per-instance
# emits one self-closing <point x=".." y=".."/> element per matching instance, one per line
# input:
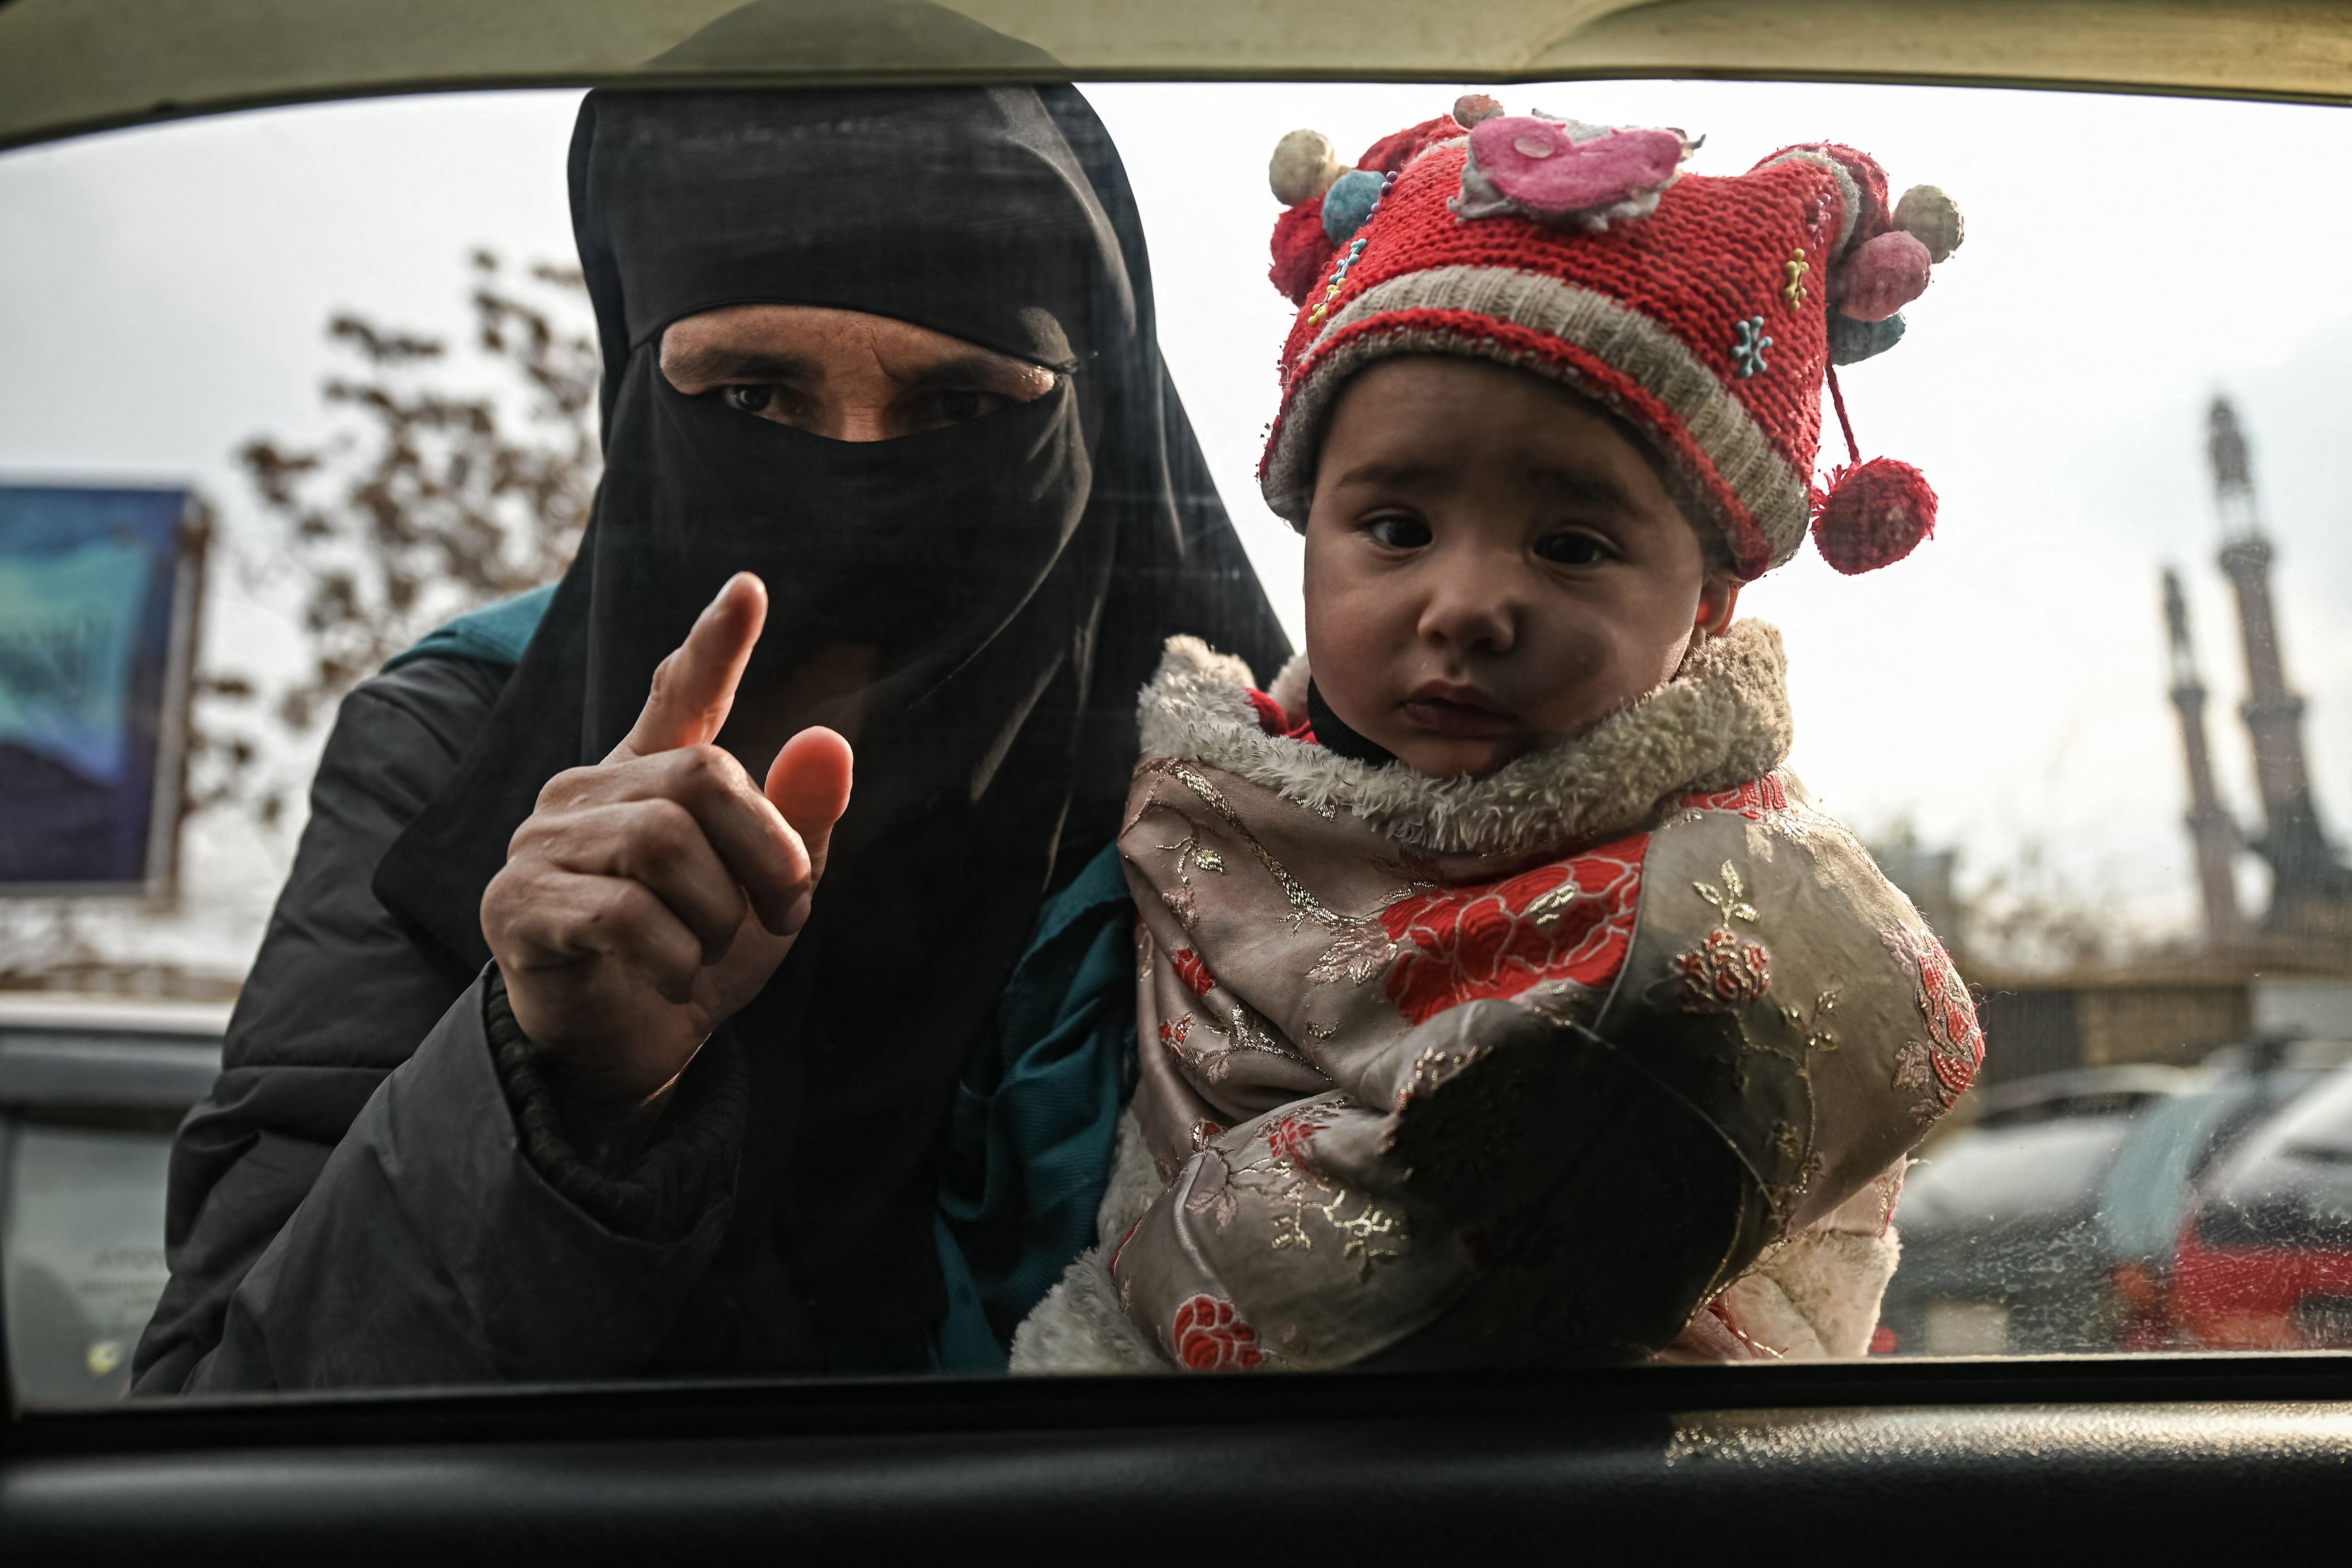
<point x="1373" y="1223"/>
<point x="1814" y="1166"/>
<point x="1729" y="899"/>
<point x="1246" y="1032"/>
<point x="1184" y="848"/>
<point x="1361" y="1232"/>
<point x="1434" y="1069"/>
<point x="1816" y="1031"/>
<point x="1787" y="1140"/>
<point x="1546" y="909"/>
<point x="1363" y="946"/>
<point x="1303" y="905"/>
<point x="1209" y="1066"/>
<point x="1219" y="1201"/>
<point x="1361" y="951"/>
<point x="1291" y="1193"/>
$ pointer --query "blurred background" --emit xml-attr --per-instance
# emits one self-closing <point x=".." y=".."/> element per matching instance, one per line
<point x="279" y="392"/>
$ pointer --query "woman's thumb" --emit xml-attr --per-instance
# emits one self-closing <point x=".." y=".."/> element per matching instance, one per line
<point x="809" y="783"/>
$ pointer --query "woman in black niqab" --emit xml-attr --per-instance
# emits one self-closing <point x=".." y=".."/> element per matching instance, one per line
<point x="974" y="607"/>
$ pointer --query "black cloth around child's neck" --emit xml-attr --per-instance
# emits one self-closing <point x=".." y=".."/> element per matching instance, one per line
<point x="1332" y="733"/>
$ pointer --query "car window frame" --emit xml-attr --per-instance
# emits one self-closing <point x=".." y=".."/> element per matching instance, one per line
<point x="681" y="1409"/>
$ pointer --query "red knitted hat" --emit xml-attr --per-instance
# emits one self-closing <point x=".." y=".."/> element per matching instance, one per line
<point x="1704" y="311"/>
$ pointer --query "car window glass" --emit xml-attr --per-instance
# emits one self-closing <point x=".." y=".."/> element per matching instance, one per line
<point x="2287" y="1183"/>
<point x="2014" y="1174"/>
<point x="2141" y="1200"/>
<point x="310" y="398"/>
<point x="84" y="1257"/>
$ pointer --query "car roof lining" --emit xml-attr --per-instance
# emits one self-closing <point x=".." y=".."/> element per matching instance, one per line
<point x="68" y="66"/>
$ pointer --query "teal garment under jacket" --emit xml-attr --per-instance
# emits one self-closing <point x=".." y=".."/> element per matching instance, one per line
<point x="494" y="634"/>
<point x="1028" y="1151"/>
<point x="1029" y="1143"/>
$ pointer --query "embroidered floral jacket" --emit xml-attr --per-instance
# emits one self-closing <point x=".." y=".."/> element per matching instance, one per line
<point x="1524" y="1067"/>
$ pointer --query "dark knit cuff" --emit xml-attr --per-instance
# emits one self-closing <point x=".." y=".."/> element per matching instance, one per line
<point x="688" y="1163"/>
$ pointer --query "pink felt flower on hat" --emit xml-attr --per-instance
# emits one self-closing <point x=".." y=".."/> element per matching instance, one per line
<point x="1565" y="172"/>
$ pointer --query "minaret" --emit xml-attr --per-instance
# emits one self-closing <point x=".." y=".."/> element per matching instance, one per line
<point x="2308" y="884"/>
<point x="2210" y="827"/>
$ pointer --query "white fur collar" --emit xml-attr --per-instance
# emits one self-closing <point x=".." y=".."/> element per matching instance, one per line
<point x="1722" y="721"/>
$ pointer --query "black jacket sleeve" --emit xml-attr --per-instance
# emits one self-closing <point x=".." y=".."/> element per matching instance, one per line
<point x="353" y="1205"/>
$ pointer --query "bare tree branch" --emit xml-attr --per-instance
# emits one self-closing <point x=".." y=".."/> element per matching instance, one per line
<point x="427" y="502"/>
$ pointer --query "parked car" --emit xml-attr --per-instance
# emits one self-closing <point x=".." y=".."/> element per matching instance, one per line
<point x="2002" y="1246"/>
<point x="2265" y="1260"/>
<point x="2151" y="1187"/>
<point x="91" y="1090"/>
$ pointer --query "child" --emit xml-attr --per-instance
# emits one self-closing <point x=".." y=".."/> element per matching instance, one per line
<point x="1500" y="995"/>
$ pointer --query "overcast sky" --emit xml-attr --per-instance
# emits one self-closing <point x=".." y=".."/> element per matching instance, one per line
<point x="162" y="291"/>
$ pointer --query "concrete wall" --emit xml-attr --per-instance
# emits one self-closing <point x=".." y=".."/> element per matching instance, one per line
<point x="2313" y="1007"/>
<point x="2039" y="1029"/>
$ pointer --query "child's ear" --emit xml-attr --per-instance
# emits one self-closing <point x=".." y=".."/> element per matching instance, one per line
<point x="1718" y="600"/>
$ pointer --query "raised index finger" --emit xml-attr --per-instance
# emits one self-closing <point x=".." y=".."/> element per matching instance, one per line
<point x="694" y="688"/>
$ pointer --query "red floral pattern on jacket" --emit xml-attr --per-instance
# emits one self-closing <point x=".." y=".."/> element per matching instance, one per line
<point x="1288" y="1136"/>
<point x="1753" y="799"/>
<point x="1208" y="1335"/>
<point x="1572" y="920"/>
<point x="1192" y="970"/>
<point x="1957" y="1047"/>
<point x="1723" y="971"/>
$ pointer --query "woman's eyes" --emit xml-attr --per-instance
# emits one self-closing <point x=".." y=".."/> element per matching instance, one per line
<point x="1574" y="547"/>
<point x="1399" y="532"/>
<point x="933" y="410"/>
<point x="942" y="406"/>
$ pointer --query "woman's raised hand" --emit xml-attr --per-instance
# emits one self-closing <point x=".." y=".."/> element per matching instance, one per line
<point x="649" y="897"/>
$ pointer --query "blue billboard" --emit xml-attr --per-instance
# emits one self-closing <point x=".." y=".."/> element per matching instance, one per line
<point x="99" y="593"/>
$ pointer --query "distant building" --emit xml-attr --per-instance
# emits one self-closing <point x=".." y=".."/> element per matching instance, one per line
<point x="2210" y="827"/>
<point x="2310" y="913"/>
<point x="2289" y="971"/>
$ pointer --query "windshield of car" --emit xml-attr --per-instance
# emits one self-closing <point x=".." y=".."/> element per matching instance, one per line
<point x="330" y="822"/>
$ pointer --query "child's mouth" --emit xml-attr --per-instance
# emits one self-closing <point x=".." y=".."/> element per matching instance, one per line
<point x="1462" y="712"/>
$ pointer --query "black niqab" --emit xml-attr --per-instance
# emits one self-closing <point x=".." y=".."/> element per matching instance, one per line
<point x="974" y="607"/>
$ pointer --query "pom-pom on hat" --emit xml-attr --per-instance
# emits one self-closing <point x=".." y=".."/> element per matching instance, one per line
<point x="1706" y="311"/>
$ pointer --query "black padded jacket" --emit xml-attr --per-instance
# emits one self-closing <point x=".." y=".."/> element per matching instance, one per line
<point x="374" y="1194"/>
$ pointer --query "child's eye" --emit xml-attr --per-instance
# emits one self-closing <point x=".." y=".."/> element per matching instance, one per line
<point x="1399" y="532"/>
<point x="1574" y="547"/>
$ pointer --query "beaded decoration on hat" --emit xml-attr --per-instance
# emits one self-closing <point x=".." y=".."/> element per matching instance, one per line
<point x="1707" y="312"/>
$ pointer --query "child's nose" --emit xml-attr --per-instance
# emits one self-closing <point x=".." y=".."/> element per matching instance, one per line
<point x="1472" y="610"/>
